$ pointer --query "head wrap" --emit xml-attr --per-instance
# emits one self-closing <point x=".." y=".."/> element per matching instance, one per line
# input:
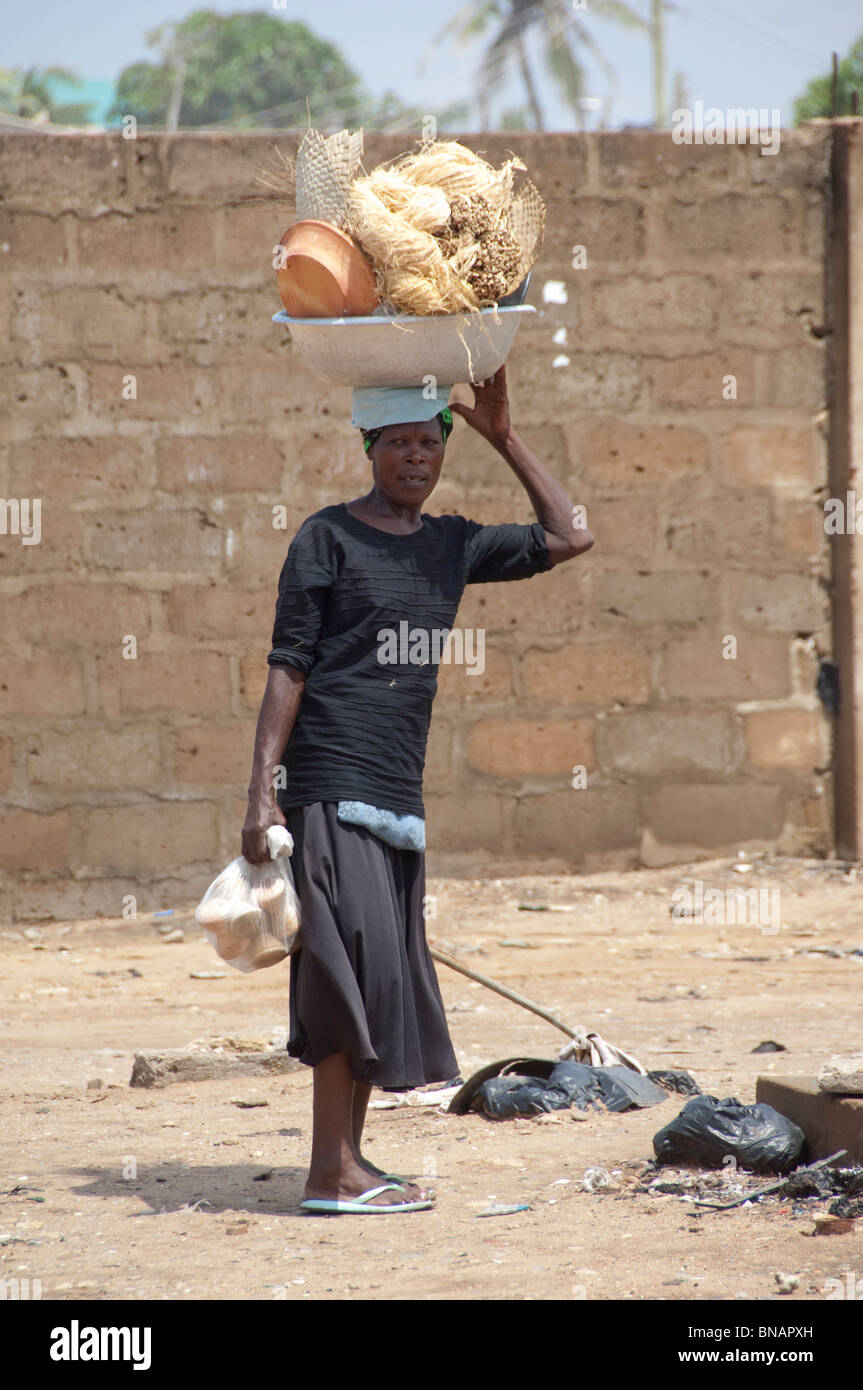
<point x="371" y="437"/>
<point x="375" y="407"/>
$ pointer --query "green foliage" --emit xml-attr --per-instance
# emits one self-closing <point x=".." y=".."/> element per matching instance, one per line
<point x="243" y="71"/>
<point x="29" y="94"/>
<point x="815" y="101"/>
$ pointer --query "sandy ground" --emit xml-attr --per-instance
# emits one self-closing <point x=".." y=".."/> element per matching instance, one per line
<point x="212" y="1209"/>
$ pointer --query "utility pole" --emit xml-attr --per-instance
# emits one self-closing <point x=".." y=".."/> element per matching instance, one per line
<point x="657" y="37"/>
<point x="172" y="120"/>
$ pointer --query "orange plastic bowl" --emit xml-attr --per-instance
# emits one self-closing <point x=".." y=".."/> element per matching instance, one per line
<point x="325" y="274"/>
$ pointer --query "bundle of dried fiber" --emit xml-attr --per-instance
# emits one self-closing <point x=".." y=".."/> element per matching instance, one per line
<point x="443" y="229"/>
<point x="457" y="170"/>
<point x="424" y="207"/>
<point x="411" y="271"/>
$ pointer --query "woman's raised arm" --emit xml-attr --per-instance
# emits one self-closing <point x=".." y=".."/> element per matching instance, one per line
<point x="565" y="536"/>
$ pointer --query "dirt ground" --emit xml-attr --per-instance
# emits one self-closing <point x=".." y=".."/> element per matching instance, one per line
<point x="212" y="1211"/>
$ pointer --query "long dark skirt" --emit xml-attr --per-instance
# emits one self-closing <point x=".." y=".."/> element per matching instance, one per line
<point x="363" y="981"/>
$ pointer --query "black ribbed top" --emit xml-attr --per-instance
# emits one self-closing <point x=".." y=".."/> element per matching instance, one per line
<point x="350" y="598"/>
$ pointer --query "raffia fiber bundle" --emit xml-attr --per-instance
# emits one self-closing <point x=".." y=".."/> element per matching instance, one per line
<point x="443" y="229"/>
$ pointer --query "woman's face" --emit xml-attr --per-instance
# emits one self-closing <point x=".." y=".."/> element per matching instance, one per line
<point x="407" y="459"/>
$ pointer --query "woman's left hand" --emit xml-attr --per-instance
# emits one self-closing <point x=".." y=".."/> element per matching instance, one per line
<point x="490" y="413"/>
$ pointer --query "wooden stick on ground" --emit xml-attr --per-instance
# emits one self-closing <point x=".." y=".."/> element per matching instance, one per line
<point x="502" y="989"/>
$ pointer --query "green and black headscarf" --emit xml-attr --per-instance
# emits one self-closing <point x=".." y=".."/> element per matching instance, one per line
<point x="446" y="424"/>
<point x="376" y="407"/>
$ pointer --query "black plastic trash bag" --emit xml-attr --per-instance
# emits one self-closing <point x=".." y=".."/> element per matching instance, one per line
<point x="502" y="1097"/>
<point x="612" y="1088"/>
<point x="570" y="1083"/>
<point x="708" y="1131"/>
<point x="623" y="1088"/>
<point x="579" y="1084"/>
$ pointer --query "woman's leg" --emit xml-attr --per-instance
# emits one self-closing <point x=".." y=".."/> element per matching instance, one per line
<point x="335" y="1170"/>
<point x="362" y="1092"/>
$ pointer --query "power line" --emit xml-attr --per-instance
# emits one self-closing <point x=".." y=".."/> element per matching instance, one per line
<point x="748" y="33"/>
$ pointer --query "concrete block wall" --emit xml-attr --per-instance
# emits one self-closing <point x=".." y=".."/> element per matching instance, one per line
<point x="149" y="402"/>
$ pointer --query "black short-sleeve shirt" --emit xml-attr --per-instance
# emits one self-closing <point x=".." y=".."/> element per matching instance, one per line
<point x="365" y="614"/>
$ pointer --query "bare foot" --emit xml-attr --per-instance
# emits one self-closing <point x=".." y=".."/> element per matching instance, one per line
<point x="414" y="1192"/>
<point x="353" y="1181"/>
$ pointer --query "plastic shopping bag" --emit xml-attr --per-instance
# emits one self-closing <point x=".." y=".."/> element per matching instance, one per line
<point x="251" y="913"/>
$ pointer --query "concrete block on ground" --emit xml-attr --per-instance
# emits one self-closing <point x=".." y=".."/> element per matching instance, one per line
<point x="210" y="1060"/>
<point x="843" y="1075"/>
<point x="830" y="1122"/>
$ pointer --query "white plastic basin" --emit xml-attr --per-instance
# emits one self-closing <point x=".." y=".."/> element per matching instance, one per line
<point x="378" y="351"/>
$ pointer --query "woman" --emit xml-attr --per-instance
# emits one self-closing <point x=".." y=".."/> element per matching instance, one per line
<point x="348" y="725"/>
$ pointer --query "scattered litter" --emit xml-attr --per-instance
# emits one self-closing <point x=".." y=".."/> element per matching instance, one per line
<point x="522" y="945"/>
<point x="597" y="1180"/>
<point x="533" y="907"/>
<point x="504" y="1209"/>
<point x="787" y="1282"/>
<point x="172" y="936"/>
<point x="710" y="1132"/>
<point x="165" y="912"/>
<point x="673" y="1184"/>
<point x="848" y="1208"/>
<point x="673" y="1080"/>
<point x="781" y="1185"/>
<point x="396" y="1099"/>
<point x="249" y="1104"/>
<point x="207" y="975"/>
<point x="770" y="1046"/>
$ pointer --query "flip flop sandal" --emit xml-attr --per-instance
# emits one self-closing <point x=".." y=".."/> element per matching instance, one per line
<point x="405" y="1182"/>
<point x="363" y="1204"/>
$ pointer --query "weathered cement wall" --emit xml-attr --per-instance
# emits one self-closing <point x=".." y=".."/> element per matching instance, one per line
<point x="152" y="259"/>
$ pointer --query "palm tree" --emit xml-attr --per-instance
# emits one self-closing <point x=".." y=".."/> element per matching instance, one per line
<point x="29" y="94"/>
<point x="563" y="32"/>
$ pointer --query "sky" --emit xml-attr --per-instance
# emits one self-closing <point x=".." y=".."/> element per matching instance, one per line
<point x="730" y="53"/>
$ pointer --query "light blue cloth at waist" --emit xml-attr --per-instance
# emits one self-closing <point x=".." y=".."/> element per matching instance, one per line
<point x="401" y="831"/>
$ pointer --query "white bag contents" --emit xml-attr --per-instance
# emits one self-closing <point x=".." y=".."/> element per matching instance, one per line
<point x="251" y="913"/>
